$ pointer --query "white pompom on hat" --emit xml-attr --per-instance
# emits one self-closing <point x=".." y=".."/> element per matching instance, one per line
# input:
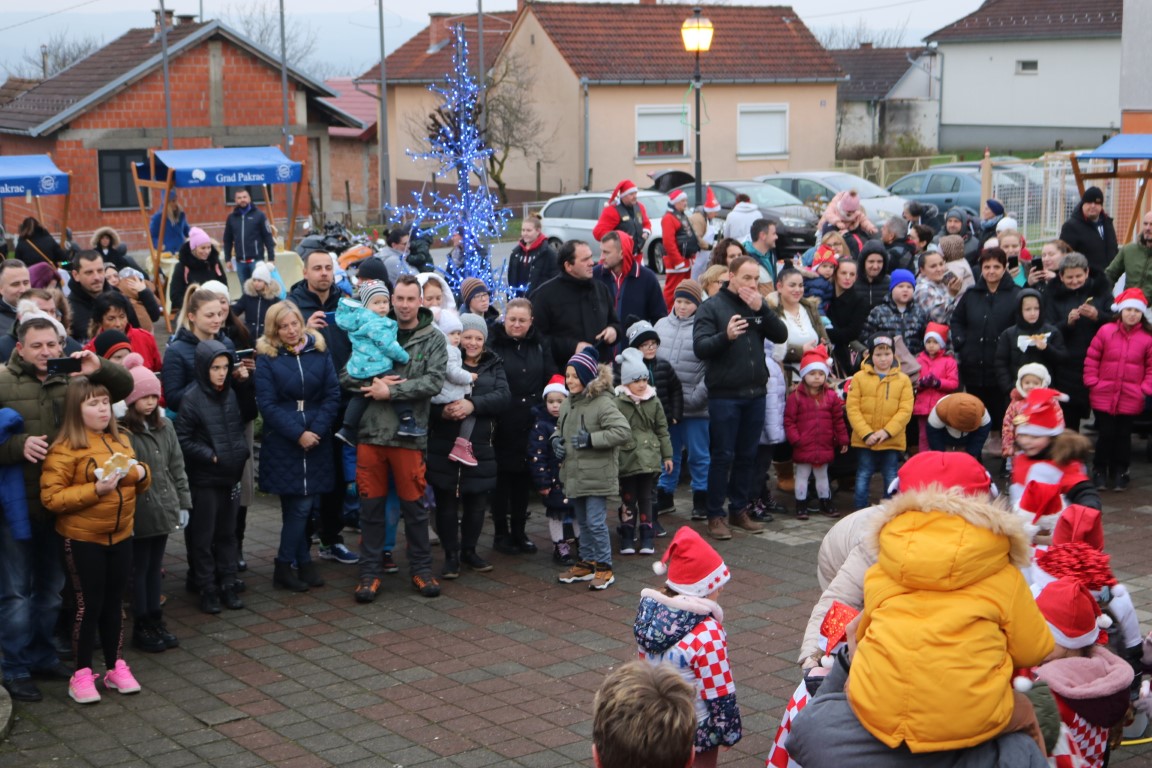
<point x="1072" y="613"/>
<point x="693" y="567"/>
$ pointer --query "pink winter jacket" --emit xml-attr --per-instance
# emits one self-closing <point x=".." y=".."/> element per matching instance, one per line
<point x="943" y="367"/>
<point x="1118" y="369"/>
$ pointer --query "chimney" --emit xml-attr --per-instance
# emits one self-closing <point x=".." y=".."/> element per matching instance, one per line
<point x="438" y="33"/>
<point x="185" y="18"/>
<point x="647" y="2"/>
<point x="865" y="46"/>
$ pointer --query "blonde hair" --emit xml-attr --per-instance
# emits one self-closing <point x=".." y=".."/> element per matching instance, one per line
<point x="194" y="298"/>
<point x="713" y="275"/>
<point x="73" y="433"/>
<point x="270" y="344"/>
<point x="644" y="714"/>
<point x="836" y="242"/>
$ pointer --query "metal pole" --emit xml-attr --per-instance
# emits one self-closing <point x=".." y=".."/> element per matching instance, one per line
<point x="287" y="136"/>
<point x="167" y="83"/>
<point x="383" y="169"/>
<point x="699" y="172"/>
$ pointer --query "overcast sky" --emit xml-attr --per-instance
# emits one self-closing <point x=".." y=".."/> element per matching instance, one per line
<point x="348" y="29"/>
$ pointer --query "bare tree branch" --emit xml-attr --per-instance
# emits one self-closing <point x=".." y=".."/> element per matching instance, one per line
<point x="59" y="51"/>
<point x="259" y="21"/>
<point x="845" y="36"/>
<point x="514" y="127"/>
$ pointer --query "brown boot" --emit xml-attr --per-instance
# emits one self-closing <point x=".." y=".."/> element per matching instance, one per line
<point x="718" y="529"/>
<point x="785" y="481"/>
<point x="745" y="523"/>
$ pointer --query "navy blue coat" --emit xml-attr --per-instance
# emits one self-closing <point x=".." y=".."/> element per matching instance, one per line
<point x="639" y="293"/>
<point x="309" y="303"/>
<point x="179" y="369"/>
<point x="283" y="380"/>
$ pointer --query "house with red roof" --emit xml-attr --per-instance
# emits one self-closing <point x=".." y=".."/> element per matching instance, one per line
<point x="889" y="94"/>
<point x="105" y="112"/>
<point x="1030" y="75"/>
<point x="610" y="84"/>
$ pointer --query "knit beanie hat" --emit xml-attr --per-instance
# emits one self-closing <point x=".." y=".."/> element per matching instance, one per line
<point x="956" y="213"/>
<point x="945" y="469"/>
<point x="951" y="247"/>
<point x="1007" y="223"/>
<point x="555" y="384"/>
<point x="262" y="272"/>
<point x="850" y="203"/>
<point x="1033" y="369"/>
<point x="1132" y="298"/>
<point x="42" y="274"/>
<point x="815" y="360"/>
<point x="690" y="290"/>
<point x="198" y="237"/>
<point x="26" y="309"/>
<point x="1079" y="523"/>
<point x="372" y="268"/>
<point x="959" y="413"/>
<point x="632" y="366"/>
<point x="937" y="331"/>
<point x="692" y="566"/>
<point x="471" y="322"/>
<point x="880" y="341"/>
<point x="470" y="288"/>
<point x="640" y="332"/>
<point x="108" y="343"/>
<point x="145" y="382"/>
<point x="1072" y="613"/>
<point x="901" y="276"/>
<point x="586" y="363"/>
<point x="367" y="290"/>
<point x="1092" y="195"/>
<point x="216" y="287"/>
<point x="1042" y="415"/>
<point x="449" y="322"/>
<point x="995" y="206"/>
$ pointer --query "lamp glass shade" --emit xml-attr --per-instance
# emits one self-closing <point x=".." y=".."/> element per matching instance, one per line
<point x="697" y="34"/>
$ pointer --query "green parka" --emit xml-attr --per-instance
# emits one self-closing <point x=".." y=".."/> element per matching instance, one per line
<point x="592" y="471"/>
<point x="649" y="445"/>
<point x="158" y="508"/>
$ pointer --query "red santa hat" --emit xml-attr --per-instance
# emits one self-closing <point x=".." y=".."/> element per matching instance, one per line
<point x="1072" y="614"/>
<point x="947" y="470"/>
<point x="1133" y="298"/>
<point x="824" y="255"/>
<point x="1079" y="561"/>
<point x="937" y="331"/>
<point x="693" y="567"/>
<point x="710" y="203"/>
<point x="626" y="187"/>
<point x="834" y="629"/>
<point x="1042" y="415"/>
<point x="1040" y="505"/>
<point x="555" y="384"/>
<point x="1079" y="524"/>
<point x="815" y="360"/>
<point x="675" y="196"/>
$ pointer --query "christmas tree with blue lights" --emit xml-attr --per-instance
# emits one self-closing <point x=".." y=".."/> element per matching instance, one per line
<point x="456" y="145"/>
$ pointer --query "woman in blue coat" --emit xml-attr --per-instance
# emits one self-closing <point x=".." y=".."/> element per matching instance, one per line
<point x="299" y="397"/>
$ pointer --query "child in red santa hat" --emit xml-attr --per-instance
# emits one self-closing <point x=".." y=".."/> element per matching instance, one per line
<point x="814" y="425"/>
<point x="682" y="625"/>
<point x="939" y="376"/>
<point x="1050" y="454"/>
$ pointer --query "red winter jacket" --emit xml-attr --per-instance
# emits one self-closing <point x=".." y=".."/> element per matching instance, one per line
<point x="814" y="426"/>
<point x="1118" y="369"/>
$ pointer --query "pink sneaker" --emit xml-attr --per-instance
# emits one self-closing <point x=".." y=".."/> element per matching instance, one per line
<point x="82" y="687"/>
<point x="462" y="452"/>
<point x="120" y="678"/>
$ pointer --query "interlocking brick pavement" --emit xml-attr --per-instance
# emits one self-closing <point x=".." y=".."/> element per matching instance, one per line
<point x="499" y="671"/>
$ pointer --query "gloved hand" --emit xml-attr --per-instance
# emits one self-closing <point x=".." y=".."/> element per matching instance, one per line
<point x="558" y="449"/>
<point x="582" y="438"/>
<point x="929" y="381"/>
<point x="183" y="518"/>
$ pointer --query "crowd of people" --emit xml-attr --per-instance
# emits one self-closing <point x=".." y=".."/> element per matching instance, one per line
<point x="400" y="396"/>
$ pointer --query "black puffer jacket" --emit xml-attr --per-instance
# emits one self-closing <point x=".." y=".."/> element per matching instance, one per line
<point x="734" y="368"/>
<point x="179" y="371"/>
<point x="1009" y="357"/>
<point x="1058" y="303"/>
<point x="568" y="311"/>
<point x="847" y="312"/>
<point x="1084" y="237"/>
<point x="209" y="426"/>
<point x="339" y="346"/>
<point x="979" y="319"/>
<point x="532" y="266"/>
<point x="528" y="365"/>
<point x="490" y="396"/>
<point x="83" y="304"/>
<point x="189" y="270"/>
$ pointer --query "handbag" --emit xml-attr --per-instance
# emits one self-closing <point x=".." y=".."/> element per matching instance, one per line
<point x="909" y="366"/>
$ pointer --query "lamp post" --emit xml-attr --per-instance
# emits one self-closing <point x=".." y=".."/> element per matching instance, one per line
<point x="697" y="34"/>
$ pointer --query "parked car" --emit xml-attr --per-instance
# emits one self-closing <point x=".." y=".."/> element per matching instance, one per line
<point x="795" y="222"/>
<point x="816" y="188"/>
<point x="572" y="217"/>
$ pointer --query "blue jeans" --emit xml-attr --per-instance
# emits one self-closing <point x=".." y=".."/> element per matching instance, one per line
<point x="692" y="433"/>
<point x="734" y="434"/>
<point x="592" y="517"/>
<point x="295" y="542"/>
<point x="31" y="577"/>
<point x="869" y="462"/>
<point x="244" y="270"/>
<point x="971" y="443"/>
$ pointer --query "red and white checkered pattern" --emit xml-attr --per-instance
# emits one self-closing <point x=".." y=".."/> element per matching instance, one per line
<point x="1066" y="754"/>
<point x="708" y="646"/>
<point x="778" y="756"/>
<point x="1090" y="741"/>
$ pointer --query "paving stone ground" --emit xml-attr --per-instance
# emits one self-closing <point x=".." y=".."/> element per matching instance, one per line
<point x="499" y="671"/>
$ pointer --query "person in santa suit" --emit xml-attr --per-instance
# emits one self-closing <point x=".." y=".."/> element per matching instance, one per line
<point x="1050" y="454"/>
<point x="624" y="213"/>
<point x="680" y="244"/>
<point x="708" y="228"/>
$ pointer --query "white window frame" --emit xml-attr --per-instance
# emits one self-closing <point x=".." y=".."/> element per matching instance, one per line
<point x="757" y="153"/>
<point x="663" y="110"/>
<point x="1020" y="70"/>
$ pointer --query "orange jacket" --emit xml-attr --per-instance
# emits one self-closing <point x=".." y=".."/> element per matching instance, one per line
<point x="68" y="489"/>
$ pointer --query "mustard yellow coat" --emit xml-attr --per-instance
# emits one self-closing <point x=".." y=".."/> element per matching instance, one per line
<point x="876" y="403"/>
<point x="947" y="618"/>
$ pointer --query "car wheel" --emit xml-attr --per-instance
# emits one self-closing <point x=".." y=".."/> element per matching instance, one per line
<point x="656" y="257"/>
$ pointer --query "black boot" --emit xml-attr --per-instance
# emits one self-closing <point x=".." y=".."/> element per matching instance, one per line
<point x="209" y="601"/>
<point x="520" y="540"/>
<point x="474" y="561"/>
<point x="828" y="509"/>
<point x="503" y="543"/>
<point x="699" y="505"/>
<point x="145" y="637"/>
<point x="170" y="640"/>
<point x="1122" y="480"/>
<point x="230" y="599"/>
<point x="284" y="577"/>
<point x="451" y="569"/>
<point x="665" y="501"/>
<point x="801" y="509"/>
<point x="309" y="575"/>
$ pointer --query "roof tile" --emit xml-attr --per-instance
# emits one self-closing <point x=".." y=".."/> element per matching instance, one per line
<point x="360" y="105"/>
<point x="1035" y="20"/>
<point x="416" y="61"/>
<point x="872" y="72"/>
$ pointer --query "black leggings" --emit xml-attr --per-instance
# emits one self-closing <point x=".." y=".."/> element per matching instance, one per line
<point x="1113" y="442"/>
<point x="459" y="520"/>
<point x="636" y="494"/>
<point x="211" y="535"/>
<point x="510" y="502"/>
<point x="147" y="567"/>
<point x="99" y="576"/>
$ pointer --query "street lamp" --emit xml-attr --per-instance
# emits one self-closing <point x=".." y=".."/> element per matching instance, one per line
<point x="697" y="34"/>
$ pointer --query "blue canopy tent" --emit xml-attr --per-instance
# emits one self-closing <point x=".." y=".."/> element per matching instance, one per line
<point x="33" y="177"/>
<point x="219" y="167"/>
<point x="1122" y="147"/>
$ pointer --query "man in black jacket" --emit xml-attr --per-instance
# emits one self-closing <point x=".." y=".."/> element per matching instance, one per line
<point x="247" y="236"/>
<point x="573" y="310"/>
<point x="86" y="284"/>
<point x="1090" y="231"/>
<point x="729" y="337"/>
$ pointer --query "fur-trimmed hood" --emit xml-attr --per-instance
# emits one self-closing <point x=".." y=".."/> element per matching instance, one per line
<point x="99" y="233"/>
<point x="601" y="384"/>
<point x="271" y="290"/>
<point x="1069" y="446"/>
<point x="941" y="540"/>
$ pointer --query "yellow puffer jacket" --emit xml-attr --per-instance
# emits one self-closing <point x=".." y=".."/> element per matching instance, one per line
<point x="876" y="403"/>
<point x="947" y="618"/>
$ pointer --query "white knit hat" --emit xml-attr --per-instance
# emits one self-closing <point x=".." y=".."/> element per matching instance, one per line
<point x="1033" y="369"/>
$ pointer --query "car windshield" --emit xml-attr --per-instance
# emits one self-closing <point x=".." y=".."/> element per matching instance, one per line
<point x="866" y="189"/>
<point x="765" y="195"/>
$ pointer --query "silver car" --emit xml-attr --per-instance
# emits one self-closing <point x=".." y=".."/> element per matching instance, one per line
<point x="821" y="186"/>
<point x="572" y="217"/>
